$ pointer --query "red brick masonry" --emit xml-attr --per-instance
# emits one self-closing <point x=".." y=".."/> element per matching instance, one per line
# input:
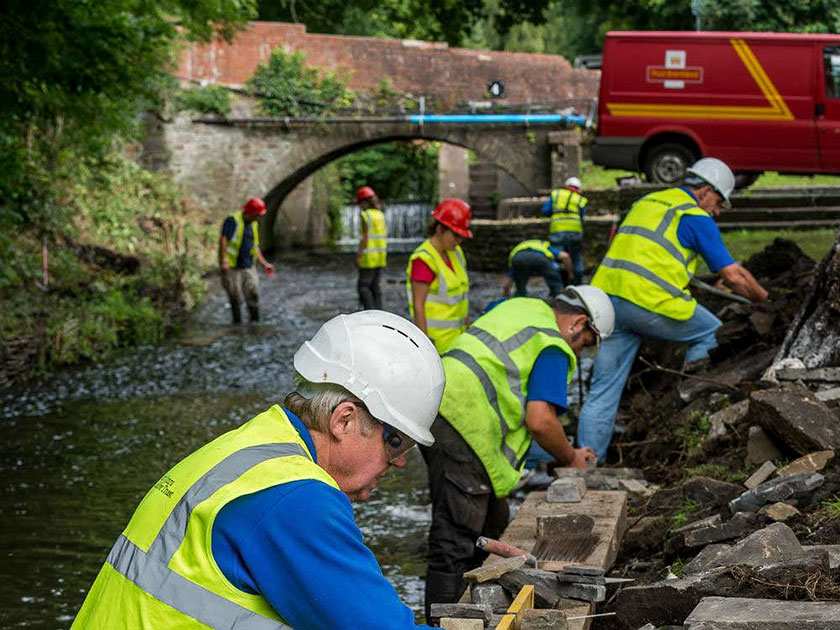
<point x="427" y="68"/>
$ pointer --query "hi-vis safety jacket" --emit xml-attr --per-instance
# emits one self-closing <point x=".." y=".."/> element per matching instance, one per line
<point x="447" y="303"/>
<point x="543" y="247"/>
<point x="565" y="211"/>
<point x="236" y="242"/>
<point x="487" y="371"/>
<point x="646" y="264"/>
<point x="161" y="572"/>
<point x="374" y="253"/>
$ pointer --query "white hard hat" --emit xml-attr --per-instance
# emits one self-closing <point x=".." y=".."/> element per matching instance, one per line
<point x="597" y="305"/>
<point x="385" y="361"/>
<point x="715" y="173"/>
<point x="573" y="182"/>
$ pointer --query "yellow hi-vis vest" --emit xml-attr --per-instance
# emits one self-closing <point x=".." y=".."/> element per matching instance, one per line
<point x="487" y="371"/>
<point x="646" y="264"/>
<point x="447" y="304"/>
<point x="236" y="242"/>
<point x="373" y="255"/>
<point x="565" y="211"/>
<point x="534" y="244"/>
<point x="161" y="572"/>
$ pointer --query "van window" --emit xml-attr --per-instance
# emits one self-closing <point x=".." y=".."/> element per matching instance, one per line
<point x="831" y="56"/>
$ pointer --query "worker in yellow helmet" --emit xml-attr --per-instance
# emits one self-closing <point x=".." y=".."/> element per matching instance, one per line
<point x="437" y="283"/>
<point x="255" y="530"/>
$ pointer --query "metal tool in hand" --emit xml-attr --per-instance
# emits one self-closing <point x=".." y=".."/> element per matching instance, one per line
<point x="704" y="286"/>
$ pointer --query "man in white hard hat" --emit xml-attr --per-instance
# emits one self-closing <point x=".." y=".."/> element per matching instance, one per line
<point x="646" y="272"/>
<point x="255" y="530"/>
<point x="506" y="379"/>
<point x="566" y="206"/>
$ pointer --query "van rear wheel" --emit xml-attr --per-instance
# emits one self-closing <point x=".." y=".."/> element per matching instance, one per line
<point x="667" y="163"/>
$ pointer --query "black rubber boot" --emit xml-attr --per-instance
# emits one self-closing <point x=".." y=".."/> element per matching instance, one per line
<point x="254" y="313"/>
<point x="442" y="588"/>
<point x="236" y="314"/>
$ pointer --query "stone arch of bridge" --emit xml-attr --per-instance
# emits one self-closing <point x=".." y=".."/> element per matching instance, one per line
<point x="523" y="153"/>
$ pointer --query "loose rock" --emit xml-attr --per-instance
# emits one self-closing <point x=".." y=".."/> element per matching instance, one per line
<point x="778" y="489"/>
<point x="727" y="417"/>
<point x="545" y="585"/>
<point x="495" y="570"/>
<point x="492" y="595"/>
<point x="760" y="448"/>
<point x="796" y="418"/>
<point x="542" y="619"/>
<point x="586" y="592"/>
<point x="779" y="512"/>
<point x="454" y="623"/>
<point x="461" y="611"/>
<point x="761" y="475"/>
<point x="775" y="543"/>
<point x="808" y="463"/>
<point x="566" y="491"/>
<point x="710" y="492"/>
<point x="738" y="613"/>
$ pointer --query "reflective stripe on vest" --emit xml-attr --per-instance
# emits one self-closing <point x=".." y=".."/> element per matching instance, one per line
<point x="374" y="253"/>
<point x="447" y="303"/>
<point x="176" y="582"/>
<point x="646" y="264"/>
<point x="499" y="351"/>
<point x="565" y="211"/>
<point x="543" y="247"/>
<point x="236" y="242"/>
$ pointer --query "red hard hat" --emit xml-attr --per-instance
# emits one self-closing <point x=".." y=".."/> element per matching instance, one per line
<point x="454" y="214"/>
<point x="254" y="205"/>
<point x="365" y="192"/>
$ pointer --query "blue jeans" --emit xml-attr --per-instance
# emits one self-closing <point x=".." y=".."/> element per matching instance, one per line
<point x="571" y="243"/>
<point x="529" y="263"/>
<point x="613" y="362"/>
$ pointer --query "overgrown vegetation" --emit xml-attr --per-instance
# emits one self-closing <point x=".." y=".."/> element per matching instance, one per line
<point x="286" y="86"/>
<point x="681" y="517"/>
<point x="209" y="99"/>
<point x="396" y="170"/>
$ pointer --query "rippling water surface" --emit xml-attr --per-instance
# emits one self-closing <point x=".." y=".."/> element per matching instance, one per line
<point x="80" y="449"/>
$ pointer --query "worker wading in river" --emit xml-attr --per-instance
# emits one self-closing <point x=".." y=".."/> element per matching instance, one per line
<point x="566" y="206"/>
<point x="437" y="284"/>
<point x="255" y="530"/>
<point x="506" y="379"/>
<point x="537" y="258"/>
<point x="646" y="273"/>
<point x="239" y="246"/>
<point x="373" y="247"/>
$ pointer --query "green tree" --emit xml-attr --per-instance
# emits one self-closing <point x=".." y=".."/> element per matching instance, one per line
<point x="74" y="77"/>
<point x="396" y="171"/>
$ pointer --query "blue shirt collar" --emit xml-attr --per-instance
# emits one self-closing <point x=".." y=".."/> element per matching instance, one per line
<point x="688" y="192"/>
<point x="297" y="423"/>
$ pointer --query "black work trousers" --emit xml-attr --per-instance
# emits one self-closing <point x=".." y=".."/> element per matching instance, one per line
<point x="464" y="507"/>
<point x="529" y="263"/>
<point x="369" y="294"/>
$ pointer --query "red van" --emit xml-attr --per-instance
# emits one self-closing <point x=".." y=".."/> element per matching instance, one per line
<point x="758" y="101"/>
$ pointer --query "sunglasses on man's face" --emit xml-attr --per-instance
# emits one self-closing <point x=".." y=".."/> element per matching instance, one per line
<point x="397" y="444"/>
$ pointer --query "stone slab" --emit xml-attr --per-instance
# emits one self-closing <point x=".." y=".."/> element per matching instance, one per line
<point x="494" y="568"/>
<point x="569" y="490"/>
<point x="778" y="489"/>
<point x="774" y="544"/>
<point x="536" y="619"/>
<point x="546" y="586"/>
<point x="779" y="512"/>
<point x="458" y="623"/>
<point x="727" y="417"/>
<point x="571" y="578"/>
<point x="492" y="595"/>
<point x="711" y="521"/>
<point x="760" y="448"/>
<point x="461" y="611"/>
<point x="812" y="462"/>
<point x="735" y="527"/>
<point x="796" y="418"/>
<point x="739" y="613"/>
<point x="623" y="473"/>
<point x="710" y="492"/>
<point x="586" y="592"/>
<point x="761" y="475"/>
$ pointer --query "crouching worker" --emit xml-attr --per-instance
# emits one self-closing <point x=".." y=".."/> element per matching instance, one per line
<point x="506" y="379"/>
<point x="255" y="530"/>
<point x="537" y="258"/>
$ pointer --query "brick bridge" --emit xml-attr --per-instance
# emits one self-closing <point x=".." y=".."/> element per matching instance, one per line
<point x="223" y="164"/>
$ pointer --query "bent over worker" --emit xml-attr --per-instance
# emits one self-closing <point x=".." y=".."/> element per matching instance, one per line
<point x="537" y="258"/>
<point x="239" y="246"/>
<point x="646" y="273"/>
<point x="255" y="530"/>
<point x="437" y="283"/>
<point x="506" y="379"/>
<point x="373" y="247"/>
<point x="567" y="206"/>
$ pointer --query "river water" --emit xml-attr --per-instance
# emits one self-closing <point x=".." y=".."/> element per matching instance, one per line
<point x="80" y="449"/>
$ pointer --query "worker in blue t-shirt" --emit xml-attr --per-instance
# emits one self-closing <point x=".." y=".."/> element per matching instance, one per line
<point x="239" y="247"/>
<point x="256" y="529"/>
<point x="646" y="273"/>
<point x="537" y="258"/>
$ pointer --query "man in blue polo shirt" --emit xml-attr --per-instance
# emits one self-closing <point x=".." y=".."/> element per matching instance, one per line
<point x="646" y="273"/>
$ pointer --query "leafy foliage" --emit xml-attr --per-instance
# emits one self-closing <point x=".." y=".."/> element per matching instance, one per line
<point x="288" y="87"/>
<point x="210" y="99"/>
<point x="396" y="171"/>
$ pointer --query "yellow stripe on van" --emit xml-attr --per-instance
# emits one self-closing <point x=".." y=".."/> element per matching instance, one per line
<point x="777" y="109"/>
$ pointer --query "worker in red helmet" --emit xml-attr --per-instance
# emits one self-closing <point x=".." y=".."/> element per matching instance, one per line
<point x="437" y="283"/>
<point x="239" y="246"/>
<point x="373" y="246"/>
